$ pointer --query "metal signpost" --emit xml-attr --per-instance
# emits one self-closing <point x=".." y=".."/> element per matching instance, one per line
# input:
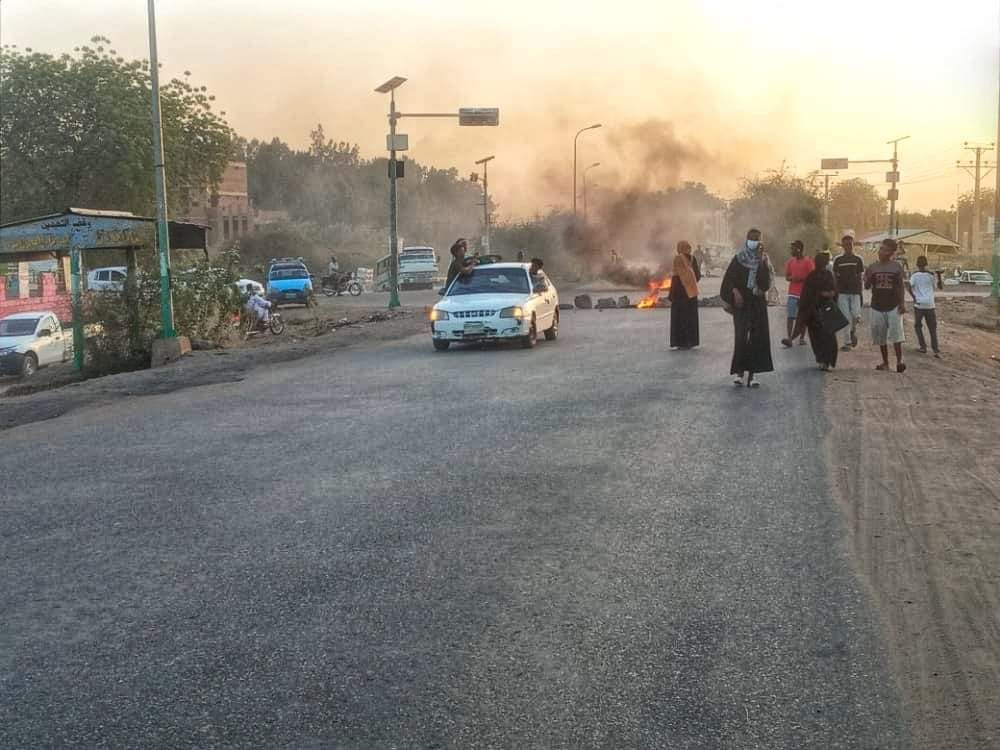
<point x="469" y="116"/>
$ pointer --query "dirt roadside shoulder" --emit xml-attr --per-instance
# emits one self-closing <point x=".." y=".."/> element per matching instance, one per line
<point x="202" y="368"/>
<point x="916" y="467"/>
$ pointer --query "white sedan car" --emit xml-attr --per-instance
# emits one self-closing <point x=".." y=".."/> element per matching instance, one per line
<point x="32" y="340"/>
<point x="496" y="302"/>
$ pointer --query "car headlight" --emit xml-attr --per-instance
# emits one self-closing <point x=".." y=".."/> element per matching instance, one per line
<point x="438" y="314"/>
<point x="512" y="312"/>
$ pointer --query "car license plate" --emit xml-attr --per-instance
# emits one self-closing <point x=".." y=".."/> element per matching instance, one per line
<point x="473" y="328"/>
<point x="290" y="294"/>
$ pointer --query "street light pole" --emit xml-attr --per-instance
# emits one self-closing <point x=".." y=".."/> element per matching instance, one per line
<point x="466" y="116"/>
<point x="575" y="139"/>
<point x="389" y="87"/>
<point x="160" y="182"/>
<point x="595" y="164"/>
<point x="486" y="203"/>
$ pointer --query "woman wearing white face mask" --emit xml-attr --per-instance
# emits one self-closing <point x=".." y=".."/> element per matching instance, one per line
<point x="744" y="291"/>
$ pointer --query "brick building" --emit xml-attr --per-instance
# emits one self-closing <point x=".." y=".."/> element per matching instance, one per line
<point x="228" y="211"/>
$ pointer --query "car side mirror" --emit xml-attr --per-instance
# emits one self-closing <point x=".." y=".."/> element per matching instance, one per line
<point x="44" y="333"/>
<point x="441" y="291"/>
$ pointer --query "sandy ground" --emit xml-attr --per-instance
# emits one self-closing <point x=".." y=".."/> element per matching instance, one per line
<point x="916" y="464"/>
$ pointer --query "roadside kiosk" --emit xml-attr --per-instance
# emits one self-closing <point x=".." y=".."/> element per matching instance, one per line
<point x="58" y="242"/>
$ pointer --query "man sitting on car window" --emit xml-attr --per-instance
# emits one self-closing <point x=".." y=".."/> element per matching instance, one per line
<point x="459" y="265"/>
<point x="536" y="266"/>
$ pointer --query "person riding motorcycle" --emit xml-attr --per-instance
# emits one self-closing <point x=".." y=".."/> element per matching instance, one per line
<point x="258" y="307"/>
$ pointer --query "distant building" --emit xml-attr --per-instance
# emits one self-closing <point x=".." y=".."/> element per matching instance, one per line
<point x="227" y="211"/>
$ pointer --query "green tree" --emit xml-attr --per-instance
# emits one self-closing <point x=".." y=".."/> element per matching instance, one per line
<point x="856" y="204"/>
<point x="75" y="131"/>
<point x="966" y="214"/>
<point x="784" y="208"/>
<point x="341" y="200"/>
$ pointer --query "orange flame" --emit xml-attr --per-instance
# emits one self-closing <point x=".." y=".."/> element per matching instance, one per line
<point x="655" y="287"/>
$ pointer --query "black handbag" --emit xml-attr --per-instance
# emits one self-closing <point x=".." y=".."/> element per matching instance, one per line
<point x="831" y="319"/>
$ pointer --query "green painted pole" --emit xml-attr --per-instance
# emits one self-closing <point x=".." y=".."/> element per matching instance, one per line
<point x="996" y="210"/>
<point x="76" y="293"/>
<point x="393" y="209"/>
<point x="160" y="181"/>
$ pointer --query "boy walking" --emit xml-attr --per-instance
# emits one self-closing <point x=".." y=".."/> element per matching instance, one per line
<point x="848" y="270"/>
<point x="885" y="279"/>
<point x="921" y="286"/>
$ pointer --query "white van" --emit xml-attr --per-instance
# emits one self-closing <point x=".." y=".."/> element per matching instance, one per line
<point x="110" y="279"/>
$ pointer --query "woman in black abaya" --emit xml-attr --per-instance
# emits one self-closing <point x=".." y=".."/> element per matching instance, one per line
<point x="684" y="299"/>
<point x="744" y="290"/>
<point x="819" y="287"/>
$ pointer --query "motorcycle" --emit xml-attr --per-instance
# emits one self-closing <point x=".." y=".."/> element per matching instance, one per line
<point x="251" y="324"/>
<point x="337" y="285"/>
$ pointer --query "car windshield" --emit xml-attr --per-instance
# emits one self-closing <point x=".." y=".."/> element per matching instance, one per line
<point x="491" y="281"/>
<point x="18" y="327"/>
<point x="289" y="272"/>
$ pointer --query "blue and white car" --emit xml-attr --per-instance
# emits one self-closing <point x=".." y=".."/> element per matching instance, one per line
<point x="289" y="280"/>
<point x="496" y="302"/>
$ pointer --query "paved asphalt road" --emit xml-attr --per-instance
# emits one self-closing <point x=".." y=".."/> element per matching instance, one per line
<point x="598" y="543"/>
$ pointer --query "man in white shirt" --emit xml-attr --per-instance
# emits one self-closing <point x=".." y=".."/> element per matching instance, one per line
<point x="921" y="287"/>
<point x="258" y="307"/>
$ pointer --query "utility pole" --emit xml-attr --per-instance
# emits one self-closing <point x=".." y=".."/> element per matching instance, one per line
<point x="160" y="182"/>
<point x="826" y="196"/>
<point x="978" y="167"/>
<point x="486" y="203"/>
<point x="893" y="177"/>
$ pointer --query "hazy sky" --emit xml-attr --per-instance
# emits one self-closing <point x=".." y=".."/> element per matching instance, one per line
<point x="708" y="90"/>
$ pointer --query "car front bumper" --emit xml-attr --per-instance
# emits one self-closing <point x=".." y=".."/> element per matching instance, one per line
<point x="11" y="364"/>
<point x="490" y="329"/>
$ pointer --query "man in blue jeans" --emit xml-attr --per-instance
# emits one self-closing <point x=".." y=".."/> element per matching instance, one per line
<point x="849" y="271"/>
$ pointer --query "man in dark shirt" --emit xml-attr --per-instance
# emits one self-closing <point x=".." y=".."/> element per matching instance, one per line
<point x="885" y="279"/>
<point x="849" y="270"/>
<point x="459" y="265"/>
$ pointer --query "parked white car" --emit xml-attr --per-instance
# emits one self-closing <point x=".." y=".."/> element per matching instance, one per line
<point x="110" y="279"/>
<point x="975" y="278"/>
<point x="496" y="302"/>
<point x="32" y="340"/>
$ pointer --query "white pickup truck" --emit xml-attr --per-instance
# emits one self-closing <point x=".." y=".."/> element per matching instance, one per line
<point x="32" y="340"/>
<point x="971" y="278"/>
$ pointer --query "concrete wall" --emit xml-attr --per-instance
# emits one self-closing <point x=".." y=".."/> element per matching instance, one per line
<point x="51" y="299"/>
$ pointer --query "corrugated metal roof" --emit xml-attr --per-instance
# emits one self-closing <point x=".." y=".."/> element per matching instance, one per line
<point x="911" y="237"/>
<point x="95" y="213"/>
